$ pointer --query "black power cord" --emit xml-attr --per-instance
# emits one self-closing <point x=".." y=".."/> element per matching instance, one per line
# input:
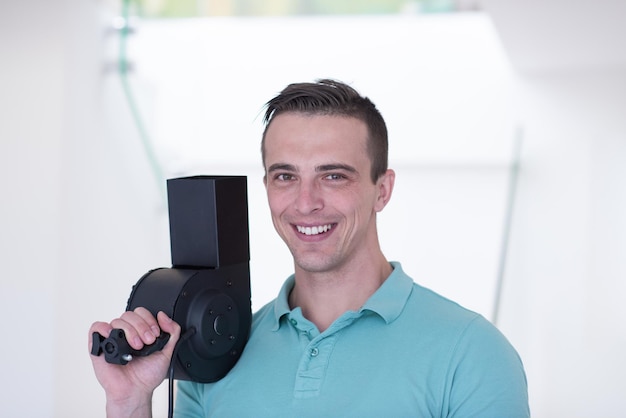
<point x="187" y="334"/>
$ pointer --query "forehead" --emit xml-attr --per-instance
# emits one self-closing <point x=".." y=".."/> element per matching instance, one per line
<point x="302" y="133"/>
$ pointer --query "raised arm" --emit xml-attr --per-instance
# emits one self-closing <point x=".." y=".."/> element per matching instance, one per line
<point x="129" y="387"/>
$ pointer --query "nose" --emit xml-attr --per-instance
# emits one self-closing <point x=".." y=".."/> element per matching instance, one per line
<point x="309" y="198"/>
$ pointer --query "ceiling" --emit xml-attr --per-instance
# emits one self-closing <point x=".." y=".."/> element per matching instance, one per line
<point x="561" y="35"/>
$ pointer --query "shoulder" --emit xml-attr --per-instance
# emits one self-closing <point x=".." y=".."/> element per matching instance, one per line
<point x="431" y="311"/>
<point x="428" y="300"/>
<point x="483" y="370"/>
<point x="265" y="313"/>
<point x="265" y="319"/>
<point x="462" y="328"/>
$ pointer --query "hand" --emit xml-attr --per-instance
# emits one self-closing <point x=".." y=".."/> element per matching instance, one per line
<point x="129" y="387"/>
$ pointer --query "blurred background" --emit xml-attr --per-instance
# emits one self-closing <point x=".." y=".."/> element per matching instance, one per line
<point x="507" y="124"/>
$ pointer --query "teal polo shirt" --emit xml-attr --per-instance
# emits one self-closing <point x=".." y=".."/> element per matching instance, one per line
<point x="408" y="352"/>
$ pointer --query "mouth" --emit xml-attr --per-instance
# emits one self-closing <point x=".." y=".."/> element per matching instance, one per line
<point x="314" y="230"/>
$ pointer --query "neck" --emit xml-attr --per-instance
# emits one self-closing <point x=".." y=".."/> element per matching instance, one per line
<point x="324" y="297"/>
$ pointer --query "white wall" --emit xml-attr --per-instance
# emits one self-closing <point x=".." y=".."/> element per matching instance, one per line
<point x="566" y="276"/>
<point x="79" y="207"/>
<point x="565" y="282"/>
<point x="30" y="162"/>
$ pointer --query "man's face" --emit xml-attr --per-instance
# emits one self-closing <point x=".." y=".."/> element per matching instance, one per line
<point x="322" y="199"/>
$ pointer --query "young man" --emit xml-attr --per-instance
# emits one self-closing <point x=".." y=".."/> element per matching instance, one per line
<point x="350" y="334"/>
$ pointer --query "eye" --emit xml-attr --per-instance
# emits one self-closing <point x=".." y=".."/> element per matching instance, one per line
<point x="335" y="176"/>
<point x="284" y="177"/>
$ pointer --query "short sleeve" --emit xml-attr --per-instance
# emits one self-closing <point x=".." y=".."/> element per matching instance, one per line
<point x="486" y="378"/>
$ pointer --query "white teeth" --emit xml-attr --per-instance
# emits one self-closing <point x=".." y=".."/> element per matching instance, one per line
<point x="313" y="230"/>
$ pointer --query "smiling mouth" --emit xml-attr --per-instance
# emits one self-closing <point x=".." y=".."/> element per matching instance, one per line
<point x="314" y="230"/>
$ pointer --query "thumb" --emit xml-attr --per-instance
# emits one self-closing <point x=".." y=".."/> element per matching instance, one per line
<point x="168" y="325"/>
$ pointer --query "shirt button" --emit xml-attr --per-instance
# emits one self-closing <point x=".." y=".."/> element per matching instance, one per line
<point x="293" y="322"/>
<point x="314" y="352"/>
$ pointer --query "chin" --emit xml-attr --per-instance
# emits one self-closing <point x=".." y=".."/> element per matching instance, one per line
<point x="315" y="264"/>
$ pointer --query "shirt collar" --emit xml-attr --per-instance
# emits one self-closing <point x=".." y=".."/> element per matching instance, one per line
<point x="388" y="301"/>
<point x="281" y="303"/>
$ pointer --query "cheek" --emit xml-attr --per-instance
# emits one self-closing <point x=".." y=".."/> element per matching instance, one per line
<point x="355" y="206"/>
<point x="366" y="208"/>
<point x="277" y="202"/>
<point x="361" y="201"/>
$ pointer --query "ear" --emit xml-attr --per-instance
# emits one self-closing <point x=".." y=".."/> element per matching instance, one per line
<point x="385" y="188"/>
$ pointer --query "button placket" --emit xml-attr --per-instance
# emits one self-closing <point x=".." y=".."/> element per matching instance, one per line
<point x="316" y="355"/>
<point x="313" y="365"/>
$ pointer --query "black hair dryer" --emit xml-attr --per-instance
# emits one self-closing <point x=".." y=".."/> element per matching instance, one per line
<point x="207" y="290"/>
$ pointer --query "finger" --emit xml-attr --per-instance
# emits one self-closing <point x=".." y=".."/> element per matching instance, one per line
<point x="171" y="327"/>
<point x="143" y="323"/>
<point x="147" y="316"/>
<point x="102" y="328"/>
<point x="137" y="331"/>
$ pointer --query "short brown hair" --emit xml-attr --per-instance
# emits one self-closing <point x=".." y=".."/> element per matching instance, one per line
<point x="333" y="98"/>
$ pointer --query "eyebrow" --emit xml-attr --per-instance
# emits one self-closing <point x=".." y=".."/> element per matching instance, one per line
<point x="319" y="169"/>
<point x="333" y="167"/>
<point x="281" y="166"/>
